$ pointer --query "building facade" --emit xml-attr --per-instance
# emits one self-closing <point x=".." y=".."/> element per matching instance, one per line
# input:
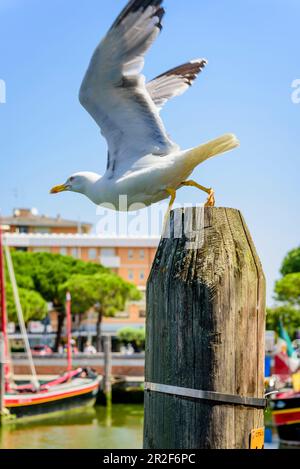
<point x="129" y="257"/>
<point x="29" y="221"/>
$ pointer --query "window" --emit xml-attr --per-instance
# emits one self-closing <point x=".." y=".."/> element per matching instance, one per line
<point x="130" y="254"/>
<point x="92" y="253"/>
<point x="63" y="251"/>
<point x="41" y="230"/>
<point x="130" y="274"/>
<point x="110" y="252"/>
<point x="142" y="254"/>
<point x="142" y="313"/>
<point x="23" y="229"/>
<point x="75" y="252"/>
<point x="142" y="275"/>
<point x="122" y="315"/>
<point x="41" y="249"/>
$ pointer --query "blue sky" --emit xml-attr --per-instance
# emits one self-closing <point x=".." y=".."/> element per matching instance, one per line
<point x="253" y="52"/>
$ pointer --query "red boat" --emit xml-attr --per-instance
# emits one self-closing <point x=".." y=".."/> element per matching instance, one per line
<point x="286" y="414"/>
<point x="76" y="388"/>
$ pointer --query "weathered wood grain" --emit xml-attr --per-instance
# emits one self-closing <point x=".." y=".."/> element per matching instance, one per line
<point x="205" y="330"/>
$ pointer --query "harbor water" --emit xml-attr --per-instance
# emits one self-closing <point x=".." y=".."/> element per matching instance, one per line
<point x="120" y="427"/>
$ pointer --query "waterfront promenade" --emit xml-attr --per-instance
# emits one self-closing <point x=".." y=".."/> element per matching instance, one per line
<point x="122" y="365"/>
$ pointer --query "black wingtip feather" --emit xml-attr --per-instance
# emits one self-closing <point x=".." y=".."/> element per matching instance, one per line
<point x="188" y="71"/>
<point x="136" y="5"/>
<point x="160" y="14"/>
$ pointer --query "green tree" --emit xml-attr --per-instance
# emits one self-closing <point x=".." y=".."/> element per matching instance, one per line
<point x="287" y="293"/>
<point x="288" y="289"/>
<point x="289" y="315"/>
<point x="105" y="292"/>
<point x="130" y="335"/>
<point x="45" y="273"/>
<point x="33" y="305"/>
<point x="291" y="263"/>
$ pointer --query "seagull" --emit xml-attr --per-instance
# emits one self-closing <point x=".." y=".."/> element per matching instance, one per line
<point x="144" y="163"/>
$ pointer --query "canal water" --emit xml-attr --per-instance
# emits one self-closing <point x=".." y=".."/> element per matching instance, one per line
<point x="121" y="427"/>
<point x="91" y="428"/>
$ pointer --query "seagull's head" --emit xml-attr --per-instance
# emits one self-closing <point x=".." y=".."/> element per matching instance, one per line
<point x="79" y="182"/>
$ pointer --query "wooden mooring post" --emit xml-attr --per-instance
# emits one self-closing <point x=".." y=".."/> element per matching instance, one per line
<point x="205" y="335"/>
<point x="107" y="378"/>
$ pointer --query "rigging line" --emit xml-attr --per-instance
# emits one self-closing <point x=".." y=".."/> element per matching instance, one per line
<point x="12" y="277"/>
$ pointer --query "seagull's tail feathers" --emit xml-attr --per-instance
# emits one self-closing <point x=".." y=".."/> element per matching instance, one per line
<point x="213" y="148"/>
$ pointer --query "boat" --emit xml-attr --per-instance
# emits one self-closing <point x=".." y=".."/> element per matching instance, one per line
<point x="286" y="415"/>
<point x="285" y="404"/>
<point x="74" y="389"/>
<point x="284" y="390"/>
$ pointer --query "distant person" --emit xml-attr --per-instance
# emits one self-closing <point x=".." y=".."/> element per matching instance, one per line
<point x="89" y="349"/>
<point x="130" y="349"/>
<point x="74" y="347"/>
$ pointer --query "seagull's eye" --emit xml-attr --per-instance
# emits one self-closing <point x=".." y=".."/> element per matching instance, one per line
<point x="72" y="179"/>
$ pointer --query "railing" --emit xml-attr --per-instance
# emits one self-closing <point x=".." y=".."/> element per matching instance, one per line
<point x="78" y="240"/>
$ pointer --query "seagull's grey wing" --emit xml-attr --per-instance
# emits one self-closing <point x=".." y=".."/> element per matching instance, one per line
<point x="174" y="82"/>
<point x="114" y="92"/>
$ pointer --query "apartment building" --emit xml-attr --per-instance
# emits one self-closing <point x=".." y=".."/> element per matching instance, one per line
<point x="29" y="221"/>
<point x="129" y="257"/>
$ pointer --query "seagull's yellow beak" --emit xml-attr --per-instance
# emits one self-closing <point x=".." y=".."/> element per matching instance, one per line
<point x="60" y="188"/>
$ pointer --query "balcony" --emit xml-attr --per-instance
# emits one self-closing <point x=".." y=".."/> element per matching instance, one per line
<point x="112" y="262"/>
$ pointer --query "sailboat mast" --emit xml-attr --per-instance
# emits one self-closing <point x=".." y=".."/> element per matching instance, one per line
<point x="69" y="330"/>
<point x="20" y="315"/>
<point x="3" y="311"/>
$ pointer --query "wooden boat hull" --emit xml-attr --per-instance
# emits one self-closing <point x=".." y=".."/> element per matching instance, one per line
<point x="286" y="416"/>
<point x="73" y="395"/>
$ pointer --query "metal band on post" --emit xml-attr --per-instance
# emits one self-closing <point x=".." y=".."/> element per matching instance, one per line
<point x="207" y="395"/>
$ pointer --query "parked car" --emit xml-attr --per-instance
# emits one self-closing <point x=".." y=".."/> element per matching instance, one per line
<point x="41" y="350"/>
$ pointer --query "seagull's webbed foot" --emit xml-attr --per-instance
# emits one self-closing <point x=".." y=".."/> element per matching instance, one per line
<point x="211" y="193"/>
<point x="211" y="201"/>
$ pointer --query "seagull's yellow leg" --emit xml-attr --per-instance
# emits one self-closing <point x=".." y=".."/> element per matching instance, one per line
<point x="211" y="193"/>
<point x="172" y="194"/>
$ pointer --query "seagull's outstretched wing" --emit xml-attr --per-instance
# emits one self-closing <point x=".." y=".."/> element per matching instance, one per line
<point x="114" y="91"/>
<point x="174" y="82"/>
